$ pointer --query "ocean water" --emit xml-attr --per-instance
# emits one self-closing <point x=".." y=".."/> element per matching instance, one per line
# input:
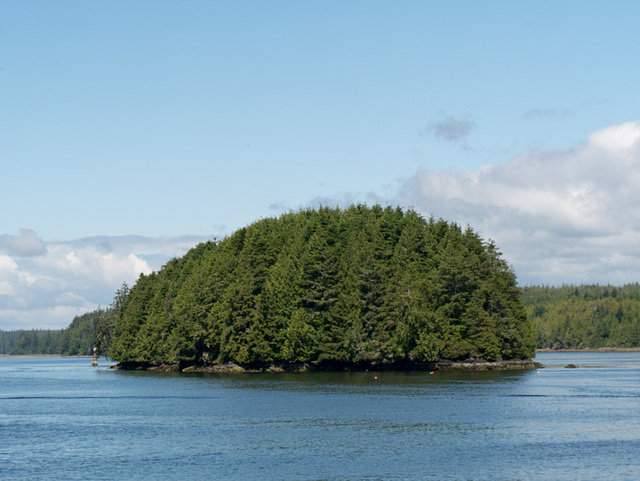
<point x="61" y="419"/>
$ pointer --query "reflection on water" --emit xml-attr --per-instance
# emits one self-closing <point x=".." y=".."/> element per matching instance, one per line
<point x="62" y="419"/>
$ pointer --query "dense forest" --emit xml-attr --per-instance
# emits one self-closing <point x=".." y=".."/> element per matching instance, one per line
<point x="34" y="341"/>
<point x="363" y="284"/>
<point x="588" y="316"/>
<point x="78" y="339"/>
<point x="360" y="285"/>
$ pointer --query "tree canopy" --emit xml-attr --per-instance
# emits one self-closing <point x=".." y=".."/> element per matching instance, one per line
<point x="363" y="284"/>
<point x="585" y="316"/>
<point x="85" y="332"/>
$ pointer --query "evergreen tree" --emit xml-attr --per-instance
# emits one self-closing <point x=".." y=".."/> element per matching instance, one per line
<point x="364" y="284"/>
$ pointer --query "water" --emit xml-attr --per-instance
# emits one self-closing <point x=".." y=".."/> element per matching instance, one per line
<point x="62" y="419"/>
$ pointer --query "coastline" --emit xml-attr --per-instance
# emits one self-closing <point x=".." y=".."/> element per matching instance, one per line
<point x="275" y="367"/>
<point x="41" y="355"/>
<point x="442" y="365"/>
<point x="481" y="365"/>
<point x="592" y="349"/>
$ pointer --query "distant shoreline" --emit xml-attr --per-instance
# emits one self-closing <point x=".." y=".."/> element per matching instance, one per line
<point x="590" y="349"/>
<point x="40" y="355"/>
<point x="544" y="350"/>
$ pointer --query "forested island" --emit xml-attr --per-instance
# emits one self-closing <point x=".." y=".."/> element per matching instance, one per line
<point x="360" y="287"/>
<point x="364" y="286"/>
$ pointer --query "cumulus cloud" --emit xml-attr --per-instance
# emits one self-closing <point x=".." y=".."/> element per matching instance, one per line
<point x="449" y="129"/>
<point x="26" y="244"/>
<point x="73" y="277"/>
<point x="559" y="216"/>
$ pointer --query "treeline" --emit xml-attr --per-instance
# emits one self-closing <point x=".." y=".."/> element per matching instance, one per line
<point x="88" y="331"/>
<point x="376" y="285"/>
<point x="34" y="341"/>
<point x="78" y="339"/>
<point x="8" y="339"/>
<point x="586" y="316"/>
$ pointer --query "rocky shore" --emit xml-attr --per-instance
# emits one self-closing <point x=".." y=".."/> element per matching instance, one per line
<point x="481" y="365"/>
<point x="443" y="365"/>
<point x="593" y="349"/>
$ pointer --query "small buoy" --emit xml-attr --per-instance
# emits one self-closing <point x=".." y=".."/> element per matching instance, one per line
<point x="431" y="372"/>
<point x="375" y="377"/>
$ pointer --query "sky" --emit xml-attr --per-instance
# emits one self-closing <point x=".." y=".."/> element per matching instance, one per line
<point x="132" y="131"/>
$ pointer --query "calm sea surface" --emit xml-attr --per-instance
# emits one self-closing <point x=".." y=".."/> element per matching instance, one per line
<point x="61" y="419"/>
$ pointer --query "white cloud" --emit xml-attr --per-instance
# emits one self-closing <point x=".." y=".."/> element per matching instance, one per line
<point x="619" y="138"/>
<point x="559" y="216"/>
<point x="7" y="266"/>
<point x="8" y="275"/>
<point x="75" y="276"/>
<point x="51" y="317"/>
<point x="91" y="263"/>
<point x="26" y="244"/>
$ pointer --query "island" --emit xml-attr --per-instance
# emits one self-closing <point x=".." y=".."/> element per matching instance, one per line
<point x="359" y="288"/>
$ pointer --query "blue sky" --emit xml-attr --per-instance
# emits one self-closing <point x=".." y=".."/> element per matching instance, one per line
<point x="130" y="131"/>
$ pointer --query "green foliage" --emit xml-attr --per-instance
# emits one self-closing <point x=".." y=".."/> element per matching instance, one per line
<point x="35" y="341"/>
<point x="83" y="334"/>
<point x="363" y="284"/>
<point x="586" y="316"/>
<point x="301" y="338"/>
<point x="8" y="339"/>
<point x="86" y="332"/>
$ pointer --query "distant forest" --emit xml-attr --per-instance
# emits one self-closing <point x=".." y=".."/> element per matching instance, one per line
<point x="585" y="316"/>
<point x="78" y="339"/>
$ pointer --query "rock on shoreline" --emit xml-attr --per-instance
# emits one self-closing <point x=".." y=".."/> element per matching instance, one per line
<point x="481" y="365"/>
<point x="443" y="365"/>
